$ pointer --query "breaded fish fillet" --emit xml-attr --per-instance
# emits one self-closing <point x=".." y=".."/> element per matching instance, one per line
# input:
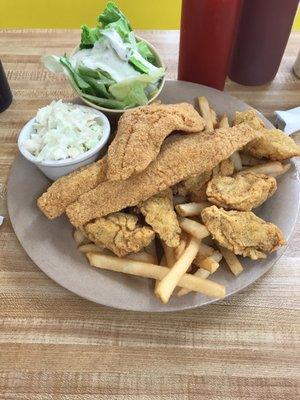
<point x="240" y="192"/>
<point x="242" y="232"/>
<point x="68" y="188"/>
<point x="274" y="145"/>
<point x="120" y="233"/>
<point x="141" y="133"/>
<point x="160" y="214"/>
<point x="179" y="158"/>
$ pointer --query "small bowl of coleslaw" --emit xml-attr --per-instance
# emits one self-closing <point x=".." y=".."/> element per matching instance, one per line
<point x="64" y="137"/>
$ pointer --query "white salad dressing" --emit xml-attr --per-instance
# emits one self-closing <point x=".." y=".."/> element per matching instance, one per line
<point x="104" y="56"/>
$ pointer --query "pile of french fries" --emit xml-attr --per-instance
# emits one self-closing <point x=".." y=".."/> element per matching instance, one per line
<point x="197" y="257"/>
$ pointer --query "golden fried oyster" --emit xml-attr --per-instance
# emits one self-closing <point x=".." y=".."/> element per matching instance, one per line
<point x="120" y="233"/>
<point x="242" y="232"/>
<point x="243" y="191"/>
<point x="274" y="145"/>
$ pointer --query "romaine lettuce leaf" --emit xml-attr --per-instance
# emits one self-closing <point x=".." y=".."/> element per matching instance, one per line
<point x="107" y="103"/>
<point x="95" y="73"/>
<point x="144" y="51"/>
<point x="121" y="27"/>
<point x="79" y="81"/>
<point x="89" y="36"/>
<point x="112" y="14"/>
<point x="131" y="87"/>
<point x="141" y="64"/>
<point x="98" y="87"/>
<point x="136" y="95"/>
<point x="138" y="65"/>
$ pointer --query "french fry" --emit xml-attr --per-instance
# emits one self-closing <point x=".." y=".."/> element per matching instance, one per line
<point x="191" y="209"/>
<point x="207" y="263"/>
<point x="206" y="113"/>
<point x="194" y="228"/>
<point x="213" y="116"/>
<point x="208" y="258"/>
<point x="163" y="263"/>
<point x="142" y="256"/>
<point x="137" y="268"/>
<point x="80" y="238"/>
<point x="224" y="123"/>
<point x="182" y="245"/>
<point x="248" y="160"/>
<point x="205" y="250"/>
<point x="232" y="261"/>
<point x="217" y="256"/>
<point x="167" y="285"/>
<point x="169" y="254"/>
<point x="200" y="273"/>
<point x="272" y="168"/>
<point x="237" y="162"/>
<point x="93" y="248"/>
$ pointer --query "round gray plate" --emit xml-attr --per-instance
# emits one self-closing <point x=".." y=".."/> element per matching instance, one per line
<point x="51" y="246"/>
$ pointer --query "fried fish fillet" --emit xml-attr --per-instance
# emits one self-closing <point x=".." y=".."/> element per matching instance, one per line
<point x="120" y="233"/>
<point x="141" y="133"/>
<point x="242" y="232"/>
<point x="273" y="144"/>
<point x="179" y="158"/>
<point x="249" y="117"/>
<point x="240" y="192"/>
<point x="159" y="213"/>
<point x="67" y="189"/>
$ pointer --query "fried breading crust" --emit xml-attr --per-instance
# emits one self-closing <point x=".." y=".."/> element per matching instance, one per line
<point x="249" y="117"/>
<point x="68" y="188"/>
<point x="179" y="158"/>
<point x="242" y="232"/>
<point x="120" y="233"/>
<point x="159" y="213"/>
<point x="274" y="145"/>
<point x="240" y="192"/>
<point x="141" y="133"/>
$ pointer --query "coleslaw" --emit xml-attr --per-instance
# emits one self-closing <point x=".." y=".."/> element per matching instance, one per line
<point x="63" y="130"/>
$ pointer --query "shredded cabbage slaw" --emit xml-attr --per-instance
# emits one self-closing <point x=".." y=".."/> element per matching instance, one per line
<point x="62" y="131"/>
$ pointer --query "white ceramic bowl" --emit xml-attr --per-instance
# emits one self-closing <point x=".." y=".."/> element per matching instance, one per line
<point x="56" y="169"/>
<point x="159" y="63"/>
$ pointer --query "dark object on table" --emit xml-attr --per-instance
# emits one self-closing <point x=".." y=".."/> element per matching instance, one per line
<point x="262" y="36"/>
<point x="5" y="92"/>
<point x="207" y="34"/>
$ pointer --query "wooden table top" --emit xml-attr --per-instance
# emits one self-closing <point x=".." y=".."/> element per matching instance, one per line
<point x="55" y="345"/>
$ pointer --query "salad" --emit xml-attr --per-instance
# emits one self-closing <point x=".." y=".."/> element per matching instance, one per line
<point x="111" y="68"/>
<point x="63" y="130"/>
